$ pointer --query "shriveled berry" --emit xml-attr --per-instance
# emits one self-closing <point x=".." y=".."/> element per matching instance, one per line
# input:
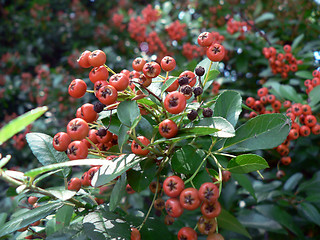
<point x="200" y="71"/>
<point x="192" y="115"/>
<point x="207" y="112"/>
<point x="183" y="80"/>
<point x="98" y="107"/>
<point x="197" y="91"/>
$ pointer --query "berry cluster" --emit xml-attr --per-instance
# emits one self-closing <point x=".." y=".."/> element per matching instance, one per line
<point x="215" y="51"/>
<point x="176" y="30"/>
<point x="312" y="83"/>
<point x="85" y="134"/>
<point x="281" y="62"/>
<point x="303" y="121"/>
<point x="182" y="198"/>
<point x="234" y="26"/>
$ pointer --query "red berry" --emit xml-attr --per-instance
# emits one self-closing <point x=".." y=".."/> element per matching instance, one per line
<point x="175" y="102"/>
<point x="32" y="200"/>
<point x="83" y="59"/>
<point x="168" y="63"/>
<point x="137" y="149"/>
<point x="98" y="74"/>
<point x="77" y="150"/>
<point x="97" y="58"/>
<point x="77" y="129"/>
<point x="173" y="87"/>
<point x="173" y="207"/>
<point x="61" y="141"/>
<point x="216" y="52"/>
<point x="310" y="120"/>
<point x="107" y="95"/>
<point x="304" y="131"/>
<point x="187" y="233"/>
<point x="74" y="184"/>
<point x="135" y="234"/>
<point x="262" y="92"/>
<point x="119" y="81"/>
<point x="208" y="192"/>
<point x="151" y="69"/>
<point x="77" y="88"/>
<point x="190" y="76"/>
<point x="285" y="160"/>
<point x="205" y="39"/>
<point x="168" y="128"/>
<point x="250" y="101"/>
<point x="138" y="63"/>
<point x="215" y="236"/>
<point x="189" y="199"/>
<point x="173" y="186"/>
<point x="87" y="113"/>
<point x="210" y="209"/>
<point x="85" y="180"/>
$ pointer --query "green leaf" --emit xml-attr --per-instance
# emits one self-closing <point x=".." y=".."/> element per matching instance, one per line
<point x="187" y="159"/>
<point x="228" y="106"/>
<point x="292" y="182"/>
<point x="36" y="171"/>
<point x="242" y="62"/>
<point x="123" y="136"/>
<point x="296" y="42"/>
<point x="197" y="131"/>
<point x="246" y="163"/>
<point x="251" y="219"/>
<point x="262" y="132"/>
<point x="29" y="217"/>
<point x="62" y="194"/>
<point x="38" y="179"/>
<point x="314" y="197"/>
<point x="229" y="222"/>
<point x="264" y="17"/>
<point x="72" y="232"/>
<point x="288" y="92"/>
<point x="314" y="96"/>
<point x="167" y="83"/>
<point x="201" y="178"/>
<point x="3" y="217"/>
<point x="225" y="129"/>
<point x="18" y="124"/>
<point x="276" y="213"/>
<point x="102" y="224"/>
<point x="140" y="180"/>
<point x="213" y="74"/>
<point x="309" y="186"/>
<point x="118" y="192"/>
<point x="112" y="169"/>
<point x="283" y="91"/>
<point x="64" y="215"/>
<point x="244" y="181"/>
<point x="304" y="74"/>
<point x="128" y="112"/>
<point x="144" y="128"/>
<point x="114" y="124"/>
<point x="41" y="146"/>
<point x="311" y="212"/>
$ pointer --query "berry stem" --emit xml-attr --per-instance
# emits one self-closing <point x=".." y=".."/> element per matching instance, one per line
<point x="220" y="172"/>
<point x="207" y="75"/>
<point x="151" y="206"/>
<point x="162" y="77"/>
<point x="95" y="146"/>
<point x="109" y="69"/>
<point x="203" y="161"/>
<point x="262" y="177"/>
